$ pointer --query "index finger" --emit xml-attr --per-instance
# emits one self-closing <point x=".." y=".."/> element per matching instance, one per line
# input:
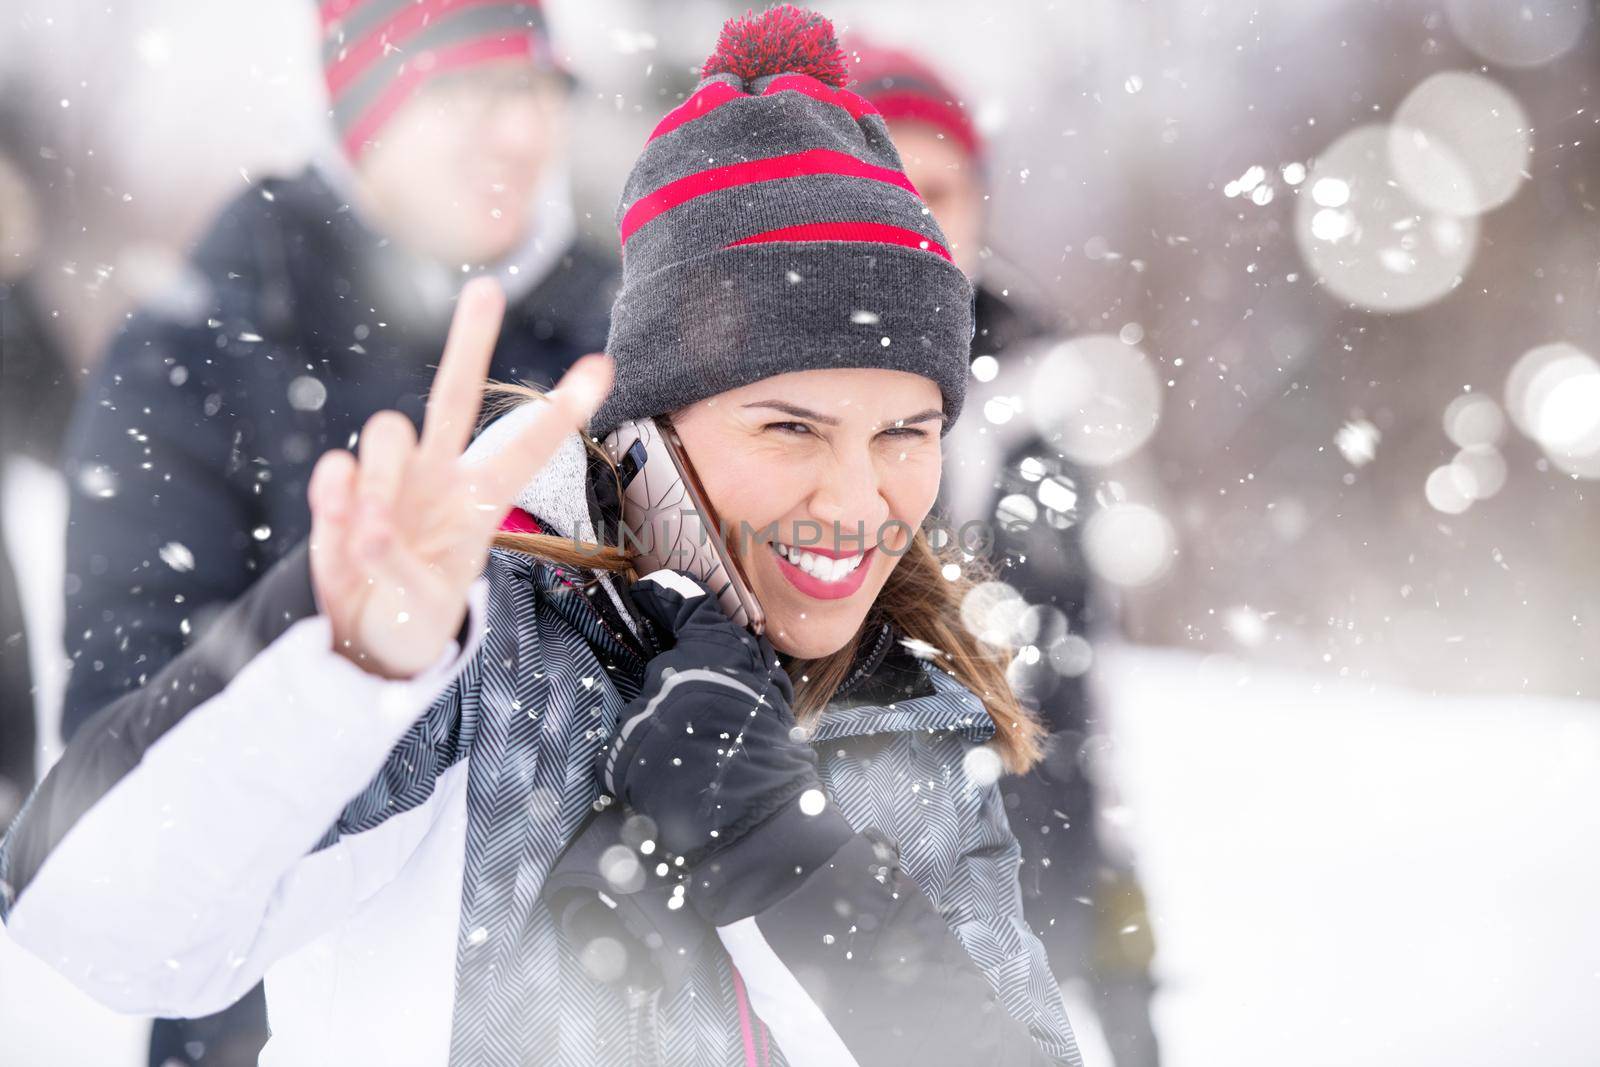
<point x="563" y="411"/>
<point x="457" y="391"/>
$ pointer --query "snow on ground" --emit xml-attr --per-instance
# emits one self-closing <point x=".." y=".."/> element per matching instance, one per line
<point x="1348" y="875"/>
<point x="1338" y="874"/>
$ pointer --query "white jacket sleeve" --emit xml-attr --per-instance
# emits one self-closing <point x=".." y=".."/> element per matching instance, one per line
<point x="172" y="888"/>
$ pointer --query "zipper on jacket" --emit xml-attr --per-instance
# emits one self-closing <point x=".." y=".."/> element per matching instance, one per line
<point x="644" y="1026"/>
<point x="869" y="662"/>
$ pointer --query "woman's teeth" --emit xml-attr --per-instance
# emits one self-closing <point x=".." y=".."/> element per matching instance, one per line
<point x="822" y="568"/>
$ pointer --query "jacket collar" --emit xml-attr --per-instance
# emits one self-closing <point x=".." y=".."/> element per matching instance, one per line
<point x="558" y="496"/>
<point x="949" y="707"/>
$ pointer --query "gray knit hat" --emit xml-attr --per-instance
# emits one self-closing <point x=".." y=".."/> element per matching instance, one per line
<point x="768" y="227"/>
<point x="376" y="53"/>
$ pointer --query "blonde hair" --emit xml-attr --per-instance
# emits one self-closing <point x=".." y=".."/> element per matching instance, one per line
<point x="921" y="603"/>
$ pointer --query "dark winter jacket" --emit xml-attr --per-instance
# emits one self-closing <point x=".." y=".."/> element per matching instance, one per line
<point x="376" y="849"/>
<point x="36" y="392"/>
<point x="191" y="449"/>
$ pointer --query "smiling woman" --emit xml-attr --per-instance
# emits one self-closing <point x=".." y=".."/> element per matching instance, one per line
<point x="377" y="776"/>
<point x="838" y="475"/>
<point x="826" y="494"/>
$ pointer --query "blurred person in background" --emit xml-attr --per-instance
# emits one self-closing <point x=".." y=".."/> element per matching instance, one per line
<point x="35" y="396"/>
<point x="1080" y="891"/>
<point x="313" y="301"/>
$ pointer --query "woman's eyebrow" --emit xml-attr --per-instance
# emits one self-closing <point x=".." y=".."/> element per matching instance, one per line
<point x="796" y="411"/>
<point x="921" y="416"/>
<point x="828" y="420"/>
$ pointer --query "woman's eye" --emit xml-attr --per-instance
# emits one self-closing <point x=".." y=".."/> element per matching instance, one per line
<point x="798" y="428"/>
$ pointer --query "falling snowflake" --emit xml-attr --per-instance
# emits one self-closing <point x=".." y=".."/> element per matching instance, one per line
<point x="920" y="648"/>
<point x="176" y="555"/>
<point x="1358" y="442"/>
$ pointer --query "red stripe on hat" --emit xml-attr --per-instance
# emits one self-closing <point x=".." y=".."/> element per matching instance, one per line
<point x="701" y="103"/>
<point x="406" y="24"/>
<point x="827" y="94"/>
<point x="716" y="94"/>
<point x="798" y="165"/>
<point x="869" y="232"/>
<point x="915" y="107"/>
<point x="333" y="9"/>
<point x="500" y="46"/>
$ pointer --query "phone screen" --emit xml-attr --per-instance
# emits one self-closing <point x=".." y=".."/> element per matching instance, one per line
<point x="669" y="521"/>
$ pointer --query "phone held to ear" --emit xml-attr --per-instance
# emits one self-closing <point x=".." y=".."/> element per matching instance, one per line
<point x="669" y="520"/>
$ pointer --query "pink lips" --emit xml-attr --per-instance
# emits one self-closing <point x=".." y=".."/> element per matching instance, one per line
<point x="813" y="586"/>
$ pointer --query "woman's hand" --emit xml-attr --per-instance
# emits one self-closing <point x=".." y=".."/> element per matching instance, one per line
<point x="708" y="751"/>
<point x="705" y="748"/>
<point x="399" y="534"/>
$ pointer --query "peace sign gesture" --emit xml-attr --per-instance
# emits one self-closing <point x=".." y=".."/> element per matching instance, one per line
<point x="399" y="534"/>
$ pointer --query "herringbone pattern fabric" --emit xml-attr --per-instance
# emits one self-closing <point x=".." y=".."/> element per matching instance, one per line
<point x="901" y="771"/>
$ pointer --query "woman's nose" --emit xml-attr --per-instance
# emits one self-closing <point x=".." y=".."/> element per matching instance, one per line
<point x="849" y="494"/>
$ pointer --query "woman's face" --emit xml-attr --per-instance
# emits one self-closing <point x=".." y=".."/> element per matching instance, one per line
<point x="821" y="477"/>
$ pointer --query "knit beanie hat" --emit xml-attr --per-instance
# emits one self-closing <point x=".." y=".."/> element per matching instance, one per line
<point x="768" y="227"/>
<point x="905" y="88"/>
<point x="376" y="53"/>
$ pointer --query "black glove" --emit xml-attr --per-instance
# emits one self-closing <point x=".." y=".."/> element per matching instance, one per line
<point x="707" y="752"/>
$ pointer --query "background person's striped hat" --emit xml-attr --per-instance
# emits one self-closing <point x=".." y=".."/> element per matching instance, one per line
<point x="905" y="88"/>
<point x="376" y="53"/>
<point x="768" y="227"/>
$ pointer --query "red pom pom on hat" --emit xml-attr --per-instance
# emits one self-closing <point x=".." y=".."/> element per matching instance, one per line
<point x="781" y="40"/>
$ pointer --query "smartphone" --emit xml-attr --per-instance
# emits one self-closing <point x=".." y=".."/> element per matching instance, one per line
<point x="669" y="520"/>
